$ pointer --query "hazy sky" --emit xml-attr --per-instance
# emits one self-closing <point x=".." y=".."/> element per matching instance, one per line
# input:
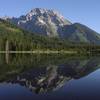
<point x="84" y="11"/>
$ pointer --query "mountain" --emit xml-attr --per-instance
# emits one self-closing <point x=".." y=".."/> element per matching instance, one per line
<point x="41" y="21"/>
<point x="51" y="23"/>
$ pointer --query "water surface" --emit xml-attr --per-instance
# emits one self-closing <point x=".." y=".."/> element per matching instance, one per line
<point x="49" y="77"/>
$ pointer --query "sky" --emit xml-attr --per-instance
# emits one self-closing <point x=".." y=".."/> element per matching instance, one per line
<point x="83" y="11"/>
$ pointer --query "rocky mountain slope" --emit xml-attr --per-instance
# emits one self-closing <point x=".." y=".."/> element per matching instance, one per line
<point x="80" y="33"/>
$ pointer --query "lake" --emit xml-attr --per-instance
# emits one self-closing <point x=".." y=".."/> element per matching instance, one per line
<point x="49" y="77"/>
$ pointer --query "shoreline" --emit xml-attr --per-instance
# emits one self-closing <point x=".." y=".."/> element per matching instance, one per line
<point x="41" y="52"/>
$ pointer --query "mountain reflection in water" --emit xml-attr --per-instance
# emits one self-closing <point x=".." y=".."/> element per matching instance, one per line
<point x="45" y="73"/>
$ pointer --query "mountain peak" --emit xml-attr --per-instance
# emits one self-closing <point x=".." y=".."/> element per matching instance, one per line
<point x="37" y="10"/>
<point x="44" y="12"/>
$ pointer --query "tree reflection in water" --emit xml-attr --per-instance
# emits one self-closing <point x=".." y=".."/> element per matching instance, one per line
<point x="44" y="73"/>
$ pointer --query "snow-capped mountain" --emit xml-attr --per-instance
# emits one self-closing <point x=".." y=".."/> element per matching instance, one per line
<point x="51" y="23"/>
<point x="41" y="21"/>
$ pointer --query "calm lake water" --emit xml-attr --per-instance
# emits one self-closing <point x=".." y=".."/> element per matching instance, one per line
<point x="49" y="77"/>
